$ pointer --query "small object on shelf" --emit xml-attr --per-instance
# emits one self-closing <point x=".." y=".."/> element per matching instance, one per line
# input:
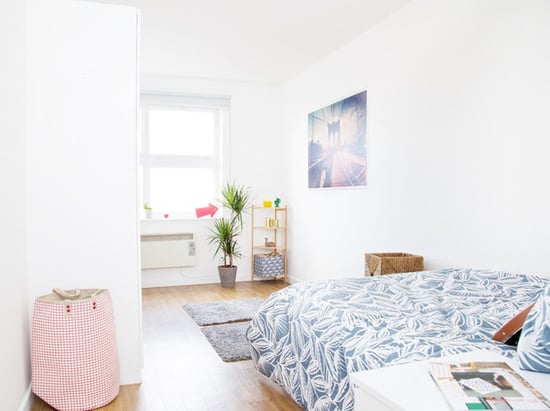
<point x="271" y="223"/>
<point x="148" y="210"/>
<point x="267" y="203"/>
<point x="277" y="202"/>
<point x="391" y="263"/>
<point x="269" y="243"/>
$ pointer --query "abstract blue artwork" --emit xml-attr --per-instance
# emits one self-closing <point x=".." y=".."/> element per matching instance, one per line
<point x="337" y="144"/>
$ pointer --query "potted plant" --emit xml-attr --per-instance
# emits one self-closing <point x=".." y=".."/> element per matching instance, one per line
<point x="148" y="210"/>
<point x="225" y="231"/>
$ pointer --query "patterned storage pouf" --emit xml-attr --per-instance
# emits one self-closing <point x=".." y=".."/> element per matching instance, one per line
<point x="266" y="265"/>
<point x="74" y="353"/>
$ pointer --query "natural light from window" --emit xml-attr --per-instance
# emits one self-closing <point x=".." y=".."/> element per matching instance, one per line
<point x="181" y="132"/>
<point x="182" y="146"/>
<point x="174" y="190"/>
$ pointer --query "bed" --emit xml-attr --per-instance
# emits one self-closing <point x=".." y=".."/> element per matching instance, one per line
<point x="309" y="337"/>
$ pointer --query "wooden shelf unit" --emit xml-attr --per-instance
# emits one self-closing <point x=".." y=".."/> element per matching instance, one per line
<point x="269" y="225"/>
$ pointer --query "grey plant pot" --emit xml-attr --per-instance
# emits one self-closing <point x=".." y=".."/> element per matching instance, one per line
<point x="227" y="276"/>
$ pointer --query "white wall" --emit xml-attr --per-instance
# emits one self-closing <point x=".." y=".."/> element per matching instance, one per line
<point x="258" y="159"/>
<point x="82" y="222"/>
<point x="458" y="102"/>
<point x="14" y="315"/>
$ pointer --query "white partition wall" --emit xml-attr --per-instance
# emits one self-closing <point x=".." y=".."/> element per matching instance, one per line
<point x="82" y="222"/>
<point x="14" y="316"/>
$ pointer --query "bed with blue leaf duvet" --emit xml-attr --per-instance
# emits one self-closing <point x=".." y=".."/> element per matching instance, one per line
<point x="310" y="336"/>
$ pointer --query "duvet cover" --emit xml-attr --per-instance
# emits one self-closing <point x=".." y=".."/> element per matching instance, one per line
<point x="309" y="337"/>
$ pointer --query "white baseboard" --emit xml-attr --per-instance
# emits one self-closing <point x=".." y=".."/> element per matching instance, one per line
<point x="170" y="282"/>
<point x="293" y="279"/>
<point x="26" y="403"/>
<point x="173" y="277"/>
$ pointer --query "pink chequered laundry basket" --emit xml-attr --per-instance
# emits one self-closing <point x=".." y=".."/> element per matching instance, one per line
<point x="74" y="356"/>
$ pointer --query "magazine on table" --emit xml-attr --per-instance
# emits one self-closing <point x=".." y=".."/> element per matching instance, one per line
<point x="483" y="385"/>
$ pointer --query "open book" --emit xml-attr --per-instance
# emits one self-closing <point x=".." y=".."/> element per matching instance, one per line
<point x="485" y="386"/>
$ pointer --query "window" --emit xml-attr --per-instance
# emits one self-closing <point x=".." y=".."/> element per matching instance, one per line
<point x="182" y="146"/>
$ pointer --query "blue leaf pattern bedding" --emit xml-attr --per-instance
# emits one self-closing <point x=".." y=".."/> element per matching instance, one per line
<point x="308" y="337"/>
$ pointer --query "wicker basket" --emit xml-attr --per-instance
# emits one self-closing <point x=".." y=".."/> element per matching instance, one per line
<point x="390" y="263"/>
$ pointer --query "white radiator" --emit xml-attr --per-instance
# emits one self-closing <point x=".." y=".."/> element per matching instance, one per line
<point x="167" y="250"/>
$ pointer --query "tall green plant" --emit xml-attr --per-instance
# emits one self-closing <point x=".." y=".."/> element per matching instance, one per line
<point x="236" y="199"/>
<point x="223" y="236"/>
<point x="225" y="231"/>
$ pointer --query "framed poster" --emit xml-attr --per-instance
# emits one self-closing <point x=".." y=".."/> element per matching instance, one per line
<point x="337" y="144"/>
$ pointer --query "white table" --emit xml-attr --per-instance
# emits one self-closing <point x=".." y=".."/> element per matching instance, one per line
<point x="409" y="387"/>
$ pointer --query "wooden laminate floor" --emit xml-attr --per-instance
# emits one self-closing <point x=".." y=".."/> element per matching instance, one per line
<point x="181" y="370"/>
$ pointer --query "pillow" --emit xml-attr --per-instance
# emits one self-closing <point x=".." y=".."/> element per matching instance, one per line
<point x="534" y="343"/>
<point x="509" y="333"/>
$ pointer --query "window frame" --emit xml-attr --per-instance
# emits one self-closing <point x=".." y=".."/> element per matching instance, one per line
<point x="218" y="162"/>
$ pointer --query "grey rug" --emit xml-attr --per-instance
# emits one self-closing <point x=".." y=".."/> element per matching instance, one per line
<point x="229" y="340"/>
<point x="221" y="312"/>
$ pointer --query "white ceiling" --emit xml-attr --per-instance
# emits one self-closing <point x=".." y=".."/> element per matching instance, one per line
<point x="263" y="41"/>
